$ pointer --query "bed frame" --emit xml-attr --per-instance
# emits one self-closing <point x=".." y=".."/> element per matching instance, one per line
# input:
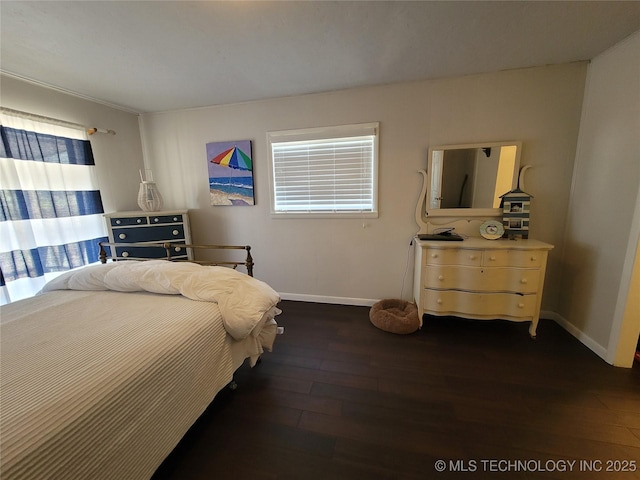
<point x="170" y="357"/>
<point x="168" y="247"/>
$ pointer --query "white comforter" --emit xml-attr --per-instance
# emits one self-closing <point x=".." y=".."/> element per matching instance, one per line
<point x="245" y="302"/>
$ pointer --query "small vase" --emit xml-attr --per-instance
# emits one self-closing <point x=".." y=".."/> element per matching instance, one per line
<point x="149" y="198"/>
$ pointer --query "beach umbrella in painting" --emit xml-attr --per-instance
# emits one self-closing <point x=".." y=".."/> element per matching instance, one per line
<point x="234" y="158"/>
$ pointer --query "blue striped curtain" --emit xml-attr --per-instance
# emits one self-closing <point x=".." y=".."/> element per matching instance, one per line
<point x="50" y="206"/>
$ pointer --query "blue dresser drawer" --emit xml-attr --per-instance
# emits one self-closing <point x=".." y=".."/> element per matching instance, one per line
<point x="149" y="234"/>
<point x="159" y="219"/>
<point x="150" y="252"/>
<point x="117" y="222"/>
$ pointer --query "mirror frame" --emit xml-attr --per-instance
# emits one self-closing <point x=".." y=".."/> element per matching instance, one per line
<point x="466" y="212"/>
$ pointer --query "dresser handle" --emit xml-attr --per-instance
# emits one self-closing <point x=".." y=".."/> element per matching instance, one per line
<point x="472" y="257"/>
<point x="118" y="222"/>
<point x="523" y="281"/>
<point x="533" y="259"/>
<point x="521" y="305"/>
<point x="175" y="232"/>
<point x="177" y="249"/>
<point x="441" y="277"/>
<point x="492" y="258"/>
<point x="439" y="301"/>
<point x="122" y="236"/>
<point x="434" y="255"/>
<point x="139" y="220"/>
<point x="125" y="254"/>
<point x="175" y="219"/>
<point x="156" y="219"/>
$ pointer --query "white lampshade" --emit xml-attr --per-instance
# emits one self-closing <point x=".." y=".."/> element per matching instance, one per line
<point x="149" y="198"/>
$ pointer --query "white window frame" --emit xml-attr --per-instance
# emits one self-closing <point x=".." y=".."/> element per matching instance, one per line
<point x="319" y="134"/>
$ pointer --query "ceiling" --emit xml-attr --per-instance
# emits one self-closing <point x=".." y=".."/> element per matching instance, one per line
<point x="150" y="56"/>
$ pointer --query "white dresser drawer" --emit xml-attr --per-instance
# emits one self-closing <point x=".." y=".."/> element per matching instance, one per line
<point x="434" y="256"/>
<point x="488" y="305"/>
<point x="512" y="258"/>
<point x="477" y="279"/>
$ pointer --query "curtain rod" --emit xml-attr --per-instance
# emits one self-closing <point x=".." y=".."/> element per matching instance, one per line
<point x="55" y="121"/>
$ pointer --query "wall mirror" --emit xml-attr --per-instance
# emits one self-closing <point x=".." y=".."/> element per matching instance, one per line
<point x="468" y="180"/>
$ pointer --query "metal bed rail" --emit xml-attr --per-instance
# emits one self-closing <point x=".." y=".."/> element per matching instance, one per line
<point x="170" y="247"/>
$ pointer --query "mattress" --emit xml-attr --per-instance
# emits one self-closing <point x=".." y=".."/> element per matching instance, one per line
<point x="103" y="384"/>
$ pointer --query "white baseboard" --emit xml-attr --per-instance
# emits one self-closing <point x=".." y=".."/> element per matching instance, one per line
<point x="576" y="332"/>
<point x="367" y="302"/>
<point x="300" y="297"/>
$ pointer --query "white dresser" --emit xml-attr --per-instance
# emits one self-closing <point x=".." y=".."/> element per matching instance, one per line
<point x="481" y="279"/>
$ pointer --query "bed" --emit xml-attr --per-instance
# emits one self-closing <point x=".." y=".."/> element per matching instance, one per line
<point x="105" y="370"/>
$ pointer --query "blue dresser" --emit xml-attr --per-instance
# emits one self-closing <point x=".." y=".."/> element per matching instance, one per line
<point x="134" y="227"/>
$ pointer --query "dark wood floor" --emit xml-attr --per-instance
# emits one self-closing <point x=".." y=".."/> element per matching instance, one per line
<point x="340" y="399"/>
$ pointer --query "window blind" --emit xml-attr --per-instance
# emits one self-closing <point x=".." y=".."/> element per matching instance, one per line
<point x="325" y="175"/>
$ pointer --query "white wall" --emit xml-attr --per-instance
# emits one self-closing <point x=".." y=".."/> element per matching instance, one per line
<point x="118" y="158"/>
<point x="603" y="227"/>
<point x="363" y="260"/>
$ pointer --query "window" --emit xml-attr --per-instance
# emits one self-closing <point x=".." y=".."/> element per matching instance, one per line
<point x="50" y="205"/>
<point x="330" y="171"/>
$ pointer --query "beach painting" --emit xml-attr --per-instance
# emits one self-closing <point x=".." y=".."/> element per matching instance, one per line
<point x="230" y="173"/>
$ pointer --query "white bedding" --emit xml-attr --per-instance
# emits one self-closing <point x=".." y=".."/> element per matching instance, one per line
<point x="243" y="300"/>
<point x="103" y="384"/>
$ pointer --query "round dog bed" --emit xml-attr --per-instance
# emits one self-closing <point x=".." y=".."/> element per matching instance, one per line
<point x="395" y="316"/>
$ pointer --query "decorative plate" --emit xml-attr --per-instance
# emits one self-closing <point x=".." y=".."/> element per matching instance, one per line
<point x="491" y="229"/>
